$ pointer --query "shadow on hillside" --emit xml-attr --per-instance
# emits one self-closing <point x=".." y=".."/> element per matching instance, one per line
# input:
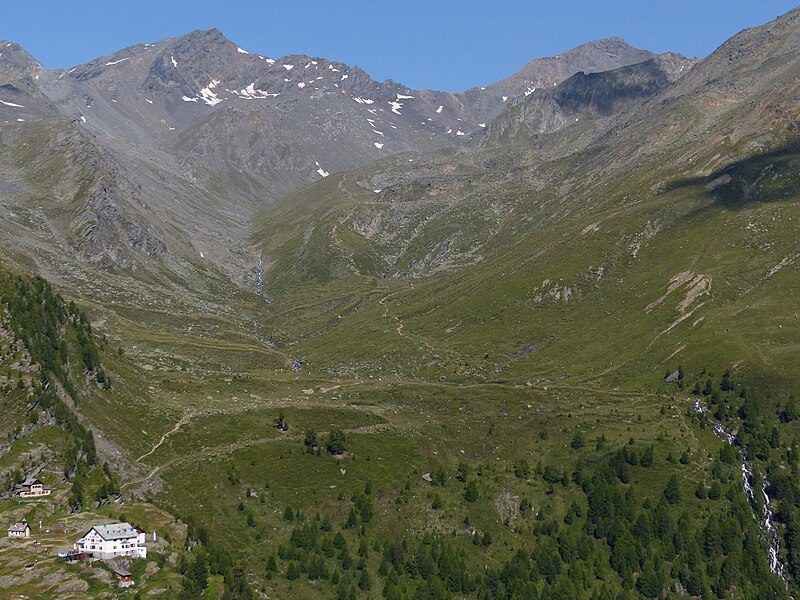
<point x="769" y="177"/>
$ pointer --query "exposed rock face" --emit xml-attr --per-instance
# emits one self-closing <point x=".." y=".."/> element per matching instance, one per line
<point x="106" y="237"/>
<point x="168" y="148"/>
<point x="593" y="57"/>
<point x="588" y="95"/>
<point x="728" y="122"/>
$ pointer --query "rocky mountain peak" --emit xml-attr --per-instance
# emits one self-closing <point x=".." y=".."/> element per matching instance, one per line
<point x="254" y="128"/>
<point x="213" y="35"/>
<point x="20" y="76"/>
<point x="776" y="44"/>
<point x="201" y="41"/>
<point x="14" y="55"/>
<point x="592" y="57"/>
<point x="584" y="95"/>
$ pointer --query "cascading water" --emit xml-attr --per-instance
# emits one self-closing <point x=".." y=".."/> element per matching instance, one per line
<point x="260" y="281"/>
<point x="260" y="291"/>
<point x="260" y="276"/>
<point x="767" y="522"/>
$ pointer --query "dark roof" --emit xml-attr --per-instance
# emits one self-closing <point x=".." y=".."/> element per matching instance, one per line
<point x="122" y="572"/>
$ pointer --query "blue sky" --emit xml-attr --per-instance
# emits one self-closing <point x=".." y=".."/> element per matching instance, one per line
<point x="443" y="44"/>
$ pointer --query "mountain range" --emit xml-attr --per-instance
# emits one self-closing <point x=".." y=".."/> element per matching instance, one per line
<point x="211" y="119"/>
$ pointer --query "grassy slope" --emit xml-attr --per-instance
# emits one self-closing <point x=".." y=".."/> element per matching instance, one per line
<point x="613" y="258"/>
<point x="387" y="343"/>
<point x="594" y="363"/>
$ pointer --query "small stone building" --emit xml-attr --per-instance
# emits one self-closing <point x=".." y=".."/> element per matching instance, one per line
<point x="20" y="530"/>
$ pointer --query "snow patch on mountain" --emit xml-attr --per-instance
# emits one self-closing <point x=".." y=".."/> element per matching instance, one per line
<point x="208" y="96"/>
<point x="251" y="93"/>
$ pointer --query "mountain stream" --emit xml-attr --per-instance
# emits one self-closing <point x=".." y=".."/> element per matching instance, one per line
<point x="773" y="539"/>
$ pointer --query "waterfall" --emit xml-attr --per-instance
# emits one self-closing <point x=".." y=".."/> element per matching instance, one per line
<point x="260" y="292"/>
<point x="260" y="281"/>
<point x="260" y="276"/>
<point x="767" y="523"/>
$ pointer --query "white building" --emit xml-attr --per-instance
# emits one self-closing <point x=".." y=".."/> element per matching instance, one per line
<point x="110" y="541"/>
<point x="19" y="530"/>
<point x="33" y="489"/>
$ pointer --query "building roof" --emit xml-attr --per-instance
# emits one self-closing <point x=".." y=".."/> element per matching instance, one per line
<point x="19" y="527"/>
<point x="122" y="572"/>
<point x="115" y="531"/>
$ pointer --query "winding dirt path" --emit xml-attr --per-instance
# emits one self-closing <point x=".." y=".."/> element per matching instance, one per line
<point x="337" y="241"/>
<point x="227" y="449"/>
<point x="400" y="326"/>
<point x="181" y="422"/>
<point x="142" y="480"/>
<point x="230" y="448"/>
